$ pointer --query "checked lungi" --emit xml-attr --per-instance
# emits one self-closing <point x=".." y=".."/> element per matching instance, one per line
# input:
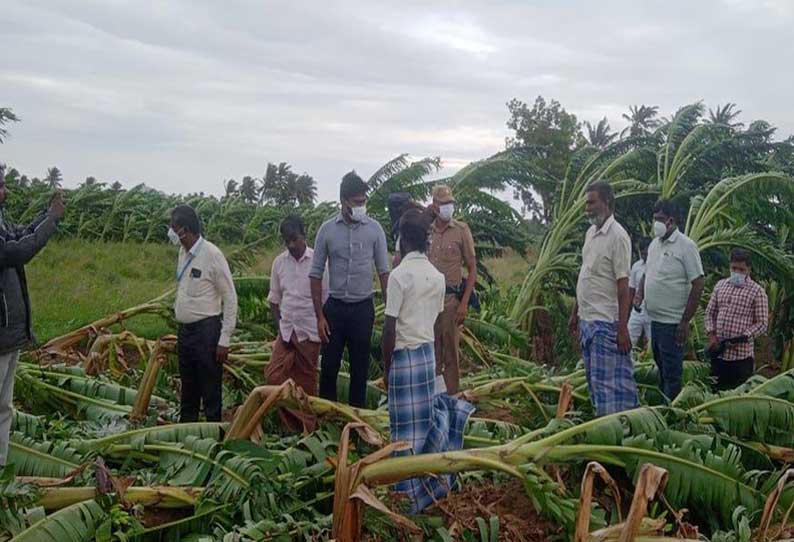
<point x="429" y="422"/>
<point x="610" y="373"/>
<point x="296" y="360"/>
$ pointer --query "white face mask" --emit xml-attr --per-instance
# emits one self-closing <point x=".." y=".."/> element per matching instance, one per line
<point x="659" y="229"/>
<point x="445" y="211"/>
<point x="738" y="279"/>
<point x="173" y="236"/>
<point x="358" y="213"/>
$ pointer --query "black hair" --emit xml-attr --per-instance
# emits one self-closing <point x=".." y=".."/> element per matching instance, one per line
<point x="739" y="255"/>
<point x="667" y="207"/>
<point x="185" y="216"/>
<point x="352" y="185"/>
<point x="413" y="230"/>
<point x="604" y="191"/>
<point x="292" y="227"/>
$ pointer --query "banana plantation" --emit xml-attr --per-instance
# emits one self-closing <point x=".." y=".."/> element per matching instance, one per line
<point x="96" y="453"/>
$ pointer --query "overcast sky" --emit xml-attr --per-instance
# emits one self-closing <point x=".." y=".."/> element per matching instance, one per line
<point x="183" y="94"/>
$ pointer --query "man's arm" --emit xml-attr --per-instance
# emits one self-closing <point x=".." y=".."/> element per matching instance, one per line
<point x="387" y="346"/>
<point x="689" y="312"/>
<point x="392" y="312"/>
<point x="573" y="321"/>
<point x="712" y="309"/>
<point x="225" y="285"/>
<point x="316" y="283"/>
<point x="624" y="309"/>
<point x="381" y="255"/>
<point x="19" y="245"/>
<point x="639" y="295"/>
<point x="275" y="293"/>
<point x="470" y="260"/>
<point x="760" y="317"/>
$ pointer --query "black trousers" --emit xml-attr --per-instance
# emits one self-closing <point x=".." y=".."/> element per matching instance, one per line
<point x="199" y="371"/>
<point x="730" y="374"/>
<point x="351" y="326"/>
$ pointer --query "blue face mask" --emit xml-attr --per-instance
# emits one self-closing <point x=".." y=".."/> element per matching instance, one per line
<point x="737" y="279"/>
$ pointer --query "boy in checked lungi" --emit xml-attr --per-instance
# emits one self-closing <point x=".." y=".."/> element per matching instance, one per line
<point x="421" y="413"/>
<point x="296" y="350"/>
<point x="600" y="315"/>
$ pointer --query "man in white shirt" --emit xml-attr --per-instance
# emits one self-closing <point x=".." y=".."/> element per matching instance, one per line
<point x="420" y="412"/>
<point x="206" y="310"/>
<point x="671" y="289"/>
<point x="296" y="350"/>
<point x="639" y="322"/>
<point x="600" y="314"/>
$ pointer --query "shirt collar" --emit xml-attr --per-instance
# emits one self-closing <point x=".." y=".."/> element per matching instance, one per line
<point x="673" y="236"/>
<point x="415" y="255"/>
<point x="449" y="225"/>
<point x="340" y="218"/>
<point x="196" y="246"/>
<point x="604" y="229"/>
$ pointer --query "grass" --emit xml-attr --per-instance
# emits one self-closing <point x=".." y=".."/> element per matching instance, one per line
<point x="74" y="282"/>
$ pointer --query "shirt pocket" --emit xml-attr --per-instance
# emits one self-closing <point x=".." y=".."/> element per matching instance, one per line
<point x="196" y="285"/>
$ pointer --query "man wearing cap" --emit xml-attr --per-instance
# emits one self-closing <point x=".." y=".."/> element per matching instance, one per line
<point x="451" y="248"/>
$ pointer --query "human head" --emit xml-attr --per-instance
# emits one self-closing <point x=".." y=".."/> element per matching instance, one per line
<point x="665" y="212"/>
<point x="443" y="198"/>
<point x="3" y="189"/>
<point x="413" y="232"/>
<point x="599" y="202"/>
<point x="644" y="244"/>
<point x="293" y="233"/>
<point x="352" y="193"/>
<point x="740" y="261"/>
<point x="185" y="221"/>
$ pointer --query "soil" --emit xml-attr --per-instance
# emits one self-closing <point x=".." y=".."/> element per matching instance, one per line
<point x="518" y="521"/>
<point x="153" y="517"/>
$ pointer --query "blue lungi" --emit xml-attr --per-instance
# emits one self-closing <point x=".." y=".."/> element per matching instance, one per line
<point x="429" y="422"/>
<point x="610" y="373"/>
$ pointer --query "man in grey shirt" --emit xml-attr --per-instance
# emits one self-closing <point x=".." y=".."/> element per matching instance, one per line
<point x="352" y="244"/>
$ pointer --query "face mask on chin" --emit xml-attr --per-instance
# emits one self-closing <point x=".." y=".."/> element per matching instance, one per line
<point x="659" y="229"/>
<point x="173" y="236"/>
<point x="738" y="279"/>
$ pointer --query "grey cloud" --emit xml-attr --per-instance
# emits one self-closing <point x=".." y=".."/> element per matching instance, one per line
<point x="183" y="94"/>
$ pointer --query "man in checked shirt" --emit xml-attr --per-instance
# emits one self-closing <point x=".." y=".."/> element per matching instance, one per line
<point x="737" y="313"/>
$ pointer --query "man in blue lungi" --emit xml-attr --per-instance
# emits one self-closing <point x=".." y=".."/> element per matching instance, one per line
<point x="600" y="314"/>
<point x="420" y="411"/>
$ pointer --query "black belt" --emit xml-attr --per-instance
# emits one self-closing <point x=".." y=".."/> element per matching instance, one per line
<point x="199" y="323"/>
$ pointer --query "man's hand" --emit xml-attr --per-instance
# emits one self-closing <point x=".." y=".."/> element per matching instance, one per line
<point x="222" y="354"/>
<point x="682" y="334"/>
<point x="714" y="343"/>
<point x="324" y="329"/>
<point x="460" y="315"/>
<point x="624" y="340"/>
<point x="573" y="326"/>
<point x="57" y="206"/>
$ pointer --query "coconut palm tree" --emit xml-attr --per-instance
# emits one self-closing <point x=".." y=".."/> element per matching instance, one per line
<point x="249" y="189"/>
<point x="54" y="178"/>
<point x="6" y="116"/>
<point x="641" y="120"/>
<point x="599" y="136"/>
<point x="726" y="115"/>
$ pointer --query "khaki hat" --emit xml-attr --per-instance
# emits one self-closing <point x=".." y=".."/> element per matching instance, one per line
<point x="442" y="194"/>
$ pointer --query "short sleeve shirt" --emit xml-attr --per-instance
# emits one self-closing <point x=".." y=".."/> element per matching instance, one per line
<point x="606" y="258"/>
<point x="671" y="267"/>
<point x="636" y="274"/>
<point x="415" y="297"/>
<point x="449" y="248"/>
<point x="291" y="291"/>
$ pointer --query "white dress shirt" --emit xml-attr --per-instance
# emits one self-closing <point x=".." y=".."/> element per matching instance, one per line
<point x="205" y="288"/>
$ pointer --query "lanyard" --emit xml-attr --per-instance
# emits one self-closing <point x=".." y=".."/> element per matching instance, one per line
<point x="189" y="260"/>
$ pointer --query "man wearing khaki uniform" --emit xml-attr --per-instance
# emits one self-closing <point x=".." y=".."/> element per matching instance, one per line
<point x="451" y="248"/>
